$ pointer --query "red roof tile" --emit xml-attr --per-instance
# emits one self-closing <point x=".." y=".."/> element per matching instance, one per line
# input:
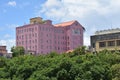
<point x="64" y="24"/>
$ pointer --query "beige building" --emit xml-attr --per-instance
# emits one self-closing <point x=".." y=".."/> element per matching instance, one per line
<point x="106" y="39"/>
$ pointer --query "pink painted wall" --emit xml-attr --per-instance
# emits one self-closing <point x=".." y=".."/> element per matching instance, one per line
<point x="44" y="38"/>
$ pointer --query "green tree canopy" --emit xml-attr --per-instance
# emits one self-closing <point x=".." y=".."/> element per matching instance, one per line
<point x="17" y="51"/>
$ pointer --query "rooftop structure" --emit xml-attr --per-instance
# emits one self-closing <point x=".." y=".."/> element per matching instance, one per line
<point x="107" y="31"/>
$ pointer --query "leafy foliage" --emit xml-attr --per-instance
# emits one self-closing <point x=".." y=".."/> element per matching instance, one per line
<point x="17" y="51"/>
<point x="78" y="65"/>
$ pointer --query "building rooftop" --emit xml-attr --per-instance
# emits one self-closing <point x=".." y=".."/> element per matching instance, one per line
<point x="109" y="31"/>
<point x="64" y="24"/>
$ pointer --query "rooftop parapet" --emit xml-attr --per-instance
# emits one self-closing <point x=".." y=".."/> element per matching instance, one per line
<point x="109" y="31"/>
<point x="35" y="20"/>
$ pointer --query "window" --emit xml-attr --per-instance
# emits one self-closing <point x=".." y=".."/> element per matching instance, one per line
<point x="93" y="45"/>
<point x="68" y="37"/>
<point x="23" y="42"/>
<point x="35" y="34"/>
<point x="17" y="37"/>
<point x="111" y="43"/>
<point x="102" y="44"/>
<point x="118" y="42"/>
<point x="50" y="47"/>
<point x="58" y="48"/>
<point x="35" y="47"/>
<point x="30" y="41"/>
<point x="29" y="35"/>
<point x="47" y="41"/>
<point x="76" y="31"/>
<point x="35" y="40"/>
<point x="22" y="36"/>
<point x="68" y="43"/>
<point x="17" y="43"/>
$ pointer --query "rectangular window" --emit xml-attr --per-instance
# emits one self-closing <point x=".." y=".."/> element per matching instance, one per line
<point x="22" y="36"/>
<point x="30" y="41"/>
<point x="111" y="43"/>
<point x="17" y="37"/>
<point x="58" y="48"/>
<point x="118" y="42"/>
<point x="76" y="31"/>
<point x="23" y="42"/>
<point x="102" y="44"/>
<point x="33" y="35"/>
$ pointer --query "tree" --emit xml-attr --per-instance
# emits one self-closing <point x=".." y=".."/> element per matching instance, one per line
<point x="17" y="51"/>
<point x="78" y="51"/>
<point x="116" y="71"/>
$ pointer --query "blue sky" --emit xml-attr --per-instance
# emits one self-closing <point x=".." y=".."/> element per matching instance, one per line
<point x="92" y="14"/>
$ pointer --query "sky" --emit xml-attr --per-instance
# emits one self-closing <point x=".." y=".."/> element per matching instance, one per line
<point x="93" y="15"/>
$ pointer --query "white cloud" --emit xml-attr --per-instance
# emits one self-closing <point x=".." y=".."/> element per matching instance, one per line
<point x="69" y="9"/>
<point x="64" y="10"/>
<point x="12" y="3"/>
<point x="9" y="43"/>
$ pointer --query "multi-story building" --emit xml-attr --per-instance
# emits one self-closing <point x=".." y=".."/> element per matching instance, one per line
<point x="41" y="36"/>
<point x="3" y="50"/>
<point x="106" y="39"/>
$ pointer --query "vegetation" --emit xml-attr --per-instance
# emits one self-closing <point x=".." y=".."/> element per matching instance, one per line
<point x="77" y="65"/>
<point x="17" y="51"/>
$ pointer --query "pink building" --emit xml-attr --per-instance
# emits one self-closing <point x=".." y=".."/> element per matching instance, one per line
<point x="42" y="37"/>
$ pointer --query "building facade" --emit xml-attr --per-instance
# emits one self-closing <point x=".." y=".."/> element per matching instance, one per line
<point x="3" y="50"/>
<point x="106" y="39"/>
<point x="42" y="37"/>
